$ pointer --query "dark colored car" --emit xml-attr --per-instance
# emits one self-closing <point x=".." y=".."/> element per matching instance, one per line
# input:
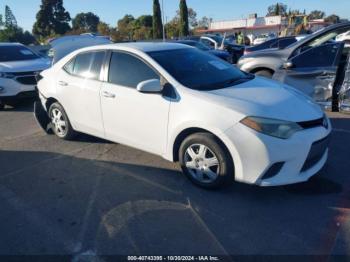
<point x="224" y="55"/>
<point x="216" y="42"/>
<point x="279" y="43"/>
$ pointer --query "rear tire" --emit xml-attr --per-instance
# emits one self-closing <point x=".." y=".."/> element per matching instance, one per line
<point x="206" y="161"/>
<point x="60" y="123"/>
<point x="264" y="73"/>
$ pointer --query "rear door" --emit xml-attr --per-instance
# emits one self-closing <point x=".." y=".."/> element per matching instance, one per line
<point x="313" y="71"/>
<point x="78" y="89"/>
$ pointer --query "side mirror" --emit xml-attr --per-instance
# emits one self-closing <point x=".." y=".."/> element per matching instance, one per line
<point x="150" y="86"/>
<point x="288" y="65"/>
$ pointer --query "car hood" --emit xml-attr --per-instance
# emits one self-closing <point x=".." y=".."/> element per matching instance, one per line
<point x="25" y="66"/>
<point x="219" y="53"/>
<point x="267" y="98"/>
<point x="271" y="52"/>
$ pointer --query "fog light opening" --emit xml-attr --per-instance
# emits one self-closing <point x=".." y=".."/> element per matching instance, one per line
<point x="273" y="170"/>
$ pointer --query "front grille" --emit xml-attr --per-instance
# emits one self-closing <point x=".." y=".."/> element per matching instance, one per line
<point x="317" y="151"/>
<point x="312" y="123"/>
<point x="27" y="80"/>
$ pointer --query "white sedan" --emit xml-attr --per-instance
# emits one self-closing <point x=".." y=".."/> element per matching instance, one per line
<point x="18" y="69"/>
<point x="187" y="106"/>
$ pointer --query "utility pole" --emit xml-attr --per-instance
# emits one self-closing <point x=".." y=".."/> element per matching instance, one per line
<point x="163" y="21"/>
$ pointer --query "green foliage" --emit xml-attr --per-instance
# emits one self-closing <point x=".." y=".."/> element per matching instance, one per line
<point x="16" y="34"/>
<point x="184" y="24"/>
<point x="277" y="9"/>
<point x="173" y="28"/>
<point x="334" y="19"/>
<point x="86" y="22"/>
<point x="52" y="19"/>
<point x="316" y="14"/>
<point x="157" y="21"/>
<point x="10" y="19"/>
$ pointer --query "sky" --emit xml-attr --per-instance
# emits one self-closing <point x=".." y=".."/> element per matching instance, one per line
<point x="111" y="10"/>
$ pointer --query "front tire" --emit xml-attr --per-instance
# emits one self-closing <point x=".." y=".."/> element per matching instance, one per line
<point x="206" y="161"/>
<point x="60" y="122"/>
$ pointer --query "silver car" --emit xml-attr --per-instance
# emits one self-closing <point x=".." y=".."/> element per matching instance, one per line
<point x="310" y="65"/>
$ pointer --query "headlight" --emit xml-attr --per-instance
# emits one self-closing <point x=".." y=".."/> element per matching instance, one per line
<point x="272" y="127"/>
<point x="6" y="75"/>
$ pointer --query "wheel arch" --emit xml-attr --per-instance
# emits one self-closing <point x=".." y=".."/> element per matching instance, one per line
<point x="190" y="131"/>
<point x="261" y="68"/>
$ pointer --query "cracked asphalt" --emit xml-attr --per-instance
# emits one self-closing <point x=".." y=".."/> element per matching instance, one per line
<point x="90" y="196"/>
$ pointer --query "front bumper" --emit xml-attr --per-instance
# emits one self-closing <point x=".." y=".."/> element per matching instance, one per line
<point x="10" y="88"/>
<point x="256" y="154"/>
<point x="19" y="97"/>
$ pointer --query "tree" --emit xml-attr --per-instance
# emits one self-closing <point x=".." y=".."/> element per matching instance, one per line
<point x="277" y="9"/>
<point x="157" y="20"/>
<point x="86" y="22"/>
<point x="334" y="19"/>
<point x="16" y="34"/>
<point x="125" y="27"/>
<point x="1" y="21"/>
<point x="204" y="22"/>
<point x="143" y="28"/>
<point x="52" y="19"/>
<point x="173" y="28"/>
<point x="184" y="25"/>
<point x="10" y="19"/>
<point x="103" y="28"/>
<point x="317" y="14"/>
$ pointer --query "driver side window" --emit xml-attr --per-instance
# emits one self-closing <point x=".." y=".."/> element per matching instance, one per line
<point x="321" y="56"/>
<point x="127" y="70"/>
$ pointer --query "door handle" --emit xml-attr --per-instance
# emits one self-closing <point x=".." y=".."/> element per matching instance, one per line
<point x="108" y="94"/>
<point x="62" y="83"/>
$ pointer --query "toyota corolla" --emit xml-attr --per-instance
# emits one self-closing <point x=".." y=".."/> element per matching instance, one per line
<point x="175" y="101"/>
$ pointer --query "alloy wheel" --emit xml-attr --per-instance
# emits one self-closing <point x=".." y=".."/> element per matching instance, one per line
<point x="59" y="122"/>
<point x="202" y="164"/>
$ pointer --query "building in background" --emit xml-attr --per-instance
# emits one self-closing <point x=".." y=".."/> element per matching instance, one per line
<point x="255" y="26"/>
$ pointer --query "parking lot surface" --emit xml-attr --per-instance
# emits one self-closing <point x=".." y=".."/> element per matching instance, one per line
<point x="90" y="196"/>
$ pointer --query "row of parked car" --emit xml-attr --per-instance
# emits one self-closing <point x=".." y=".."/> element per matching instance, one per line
<point x="316" y="64"/>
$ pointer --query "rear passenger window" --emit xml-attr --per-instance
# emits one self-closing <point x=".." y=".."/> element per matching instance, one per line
<point x="128" y="70"/>
<point x="86" y="65"/>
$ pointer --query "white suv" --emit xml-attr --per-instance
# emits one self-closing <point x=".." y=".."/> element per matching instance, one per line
<point x="18" y="68"/>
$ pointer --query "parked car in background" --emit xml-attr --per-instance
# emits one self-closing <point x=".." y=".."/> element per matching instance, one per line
<point x="279" y="43"/>
<point x="344" y="93"/>
<point x="220" y="43"/>
<point x="62" y="46"/>
<point x="310" y="65"/>
<point x="263" y="38"/>
<point x="224" y="55"/>
<point x="18" y="68"/>
<point x="343" y="37"/>
<point x="220" y="123"/>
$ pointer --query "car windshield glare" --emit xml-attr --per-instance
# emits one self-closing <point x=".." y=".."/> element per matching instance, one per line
<point x="16" y="53"/>
<point x="198" y="70"/>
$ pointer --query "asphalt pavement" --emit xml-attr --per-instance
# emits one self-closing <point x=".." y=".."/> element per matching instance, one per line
<point x="90" y="196"/>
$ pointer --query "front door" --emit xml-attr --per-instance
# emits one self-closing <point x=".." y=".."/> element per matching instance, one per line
<point x="130" y="117"/>
<point x="313" y="71"/>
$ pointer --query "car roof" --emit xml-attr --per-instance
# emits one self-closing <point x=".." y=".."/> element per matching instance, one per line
<point x="10" y="44"/>
<point x="143" y="46"/>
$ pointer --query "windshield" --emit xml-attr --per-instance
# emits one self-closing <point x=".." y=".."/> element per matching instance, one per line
<point x="201" y="46"/>
<point x="198" y="70"/>
<point x="12" y="53"/>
